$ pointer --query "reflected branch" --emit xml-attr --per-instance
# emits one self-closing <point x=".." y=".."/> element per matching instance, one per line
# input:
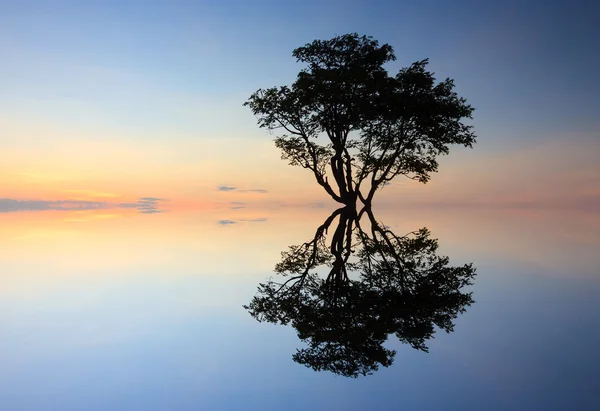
<point x="345" y="300"/>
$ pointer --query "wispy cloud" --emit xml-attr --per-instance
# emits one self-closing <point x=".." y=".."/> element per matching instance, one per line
<point x="144" y="205"/>
<point x="255" y="190"/>
<point x="236" y="205"/>
<point x="242" y="220"/>
<point x="226" y="222"/>
<point x="153" y="199"/>
<point x="233" y="188"/>
<point x="149" y="205"/>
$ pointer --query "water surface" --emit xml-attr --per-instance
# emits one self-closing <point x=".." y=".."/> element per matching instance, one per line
<point x="129" y="311"/>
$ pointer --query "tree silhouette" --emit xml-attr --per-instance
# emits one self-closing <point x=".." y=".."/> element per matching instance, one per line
<point x="346" y="118"/>
<point x="375" y="284"/>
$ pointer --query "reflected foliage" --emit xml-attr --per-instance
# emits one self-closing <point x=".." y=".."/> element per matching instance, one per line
<point x="354" y="284"/>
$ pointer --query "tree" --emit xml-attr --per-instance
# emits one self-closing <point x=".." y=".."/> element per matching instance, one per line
<point x="399" y="285"/>
<point x="345" y="118"/>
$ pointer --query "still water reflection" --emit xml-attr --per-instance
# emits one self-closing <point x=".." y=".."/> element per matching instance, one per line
<point x="377" y="283"/>
<point x="122" y="310"/>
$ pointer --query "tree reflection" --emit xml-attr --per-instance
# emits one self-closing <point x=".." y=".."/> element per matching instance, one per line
<point x="346" y="299"/>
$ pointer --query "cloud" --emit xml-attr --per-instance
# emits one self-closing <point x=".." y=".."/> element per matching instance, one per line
<point x="236" y="205"/>
<point x="8" y="205"/>
<point x="233" y="188"/>
<point x="258" y="190"/>
<point x="245" y="220"/>
<point x="151" y="211"/>
<point x="226" y="222"/>
<point x="255" y="220"/>
<point x="152" y="199"/>
<point x="144" y="205"/>
<point x="148" y="205"/>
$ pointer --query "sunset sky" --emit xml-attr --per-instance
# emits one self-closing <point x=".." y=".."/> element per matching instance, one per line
<point x="141" y="206"/>
<point x="115" y="101"/>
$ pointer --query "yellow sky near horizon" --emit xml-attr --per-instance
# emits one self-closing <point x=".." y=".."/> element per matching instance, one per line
<point x="52" y="162"/>
<point x="81" y="243"/>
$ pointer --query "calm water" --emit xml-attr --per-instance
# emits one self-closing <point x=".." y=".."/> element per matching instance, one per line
<point x="112" y="311"/>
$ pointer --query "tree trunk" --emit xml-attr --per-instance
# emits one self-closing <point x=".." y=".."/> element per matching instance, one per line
<point x="349" y="200"/>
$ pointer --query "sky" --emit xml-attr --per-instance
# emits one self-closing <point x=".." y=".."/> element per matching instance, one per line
<point x="116" y="101"/>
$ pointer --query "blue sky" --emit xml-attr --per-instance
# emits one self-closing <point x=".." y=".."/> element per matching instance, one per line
<point x="529" y="67"/>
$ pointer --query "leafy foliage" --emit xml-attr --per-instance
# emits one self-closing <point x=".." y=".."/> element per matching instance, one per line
<point x="346" y="118"/>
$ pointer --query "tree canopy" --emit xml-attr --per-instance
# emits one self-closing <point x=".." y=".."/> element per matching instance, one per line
<point x="354" y="125"/>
